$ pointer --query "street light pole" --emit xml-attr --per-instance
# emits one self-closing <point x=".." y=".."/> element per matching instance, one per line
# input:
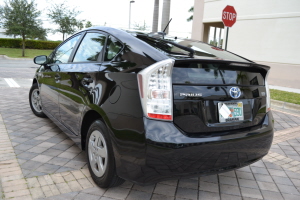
<point x="130" y="12"/>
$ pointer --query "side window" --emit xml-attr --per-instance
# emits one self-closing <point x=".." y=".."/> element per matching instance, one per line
<point x="63" y="53"/>
<point x="90" y="47"/>
<point x="112" y="49"/>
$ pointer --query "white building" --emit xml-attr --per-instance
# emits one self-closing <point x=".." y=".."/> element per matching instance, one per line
<point x="265" y="30"/>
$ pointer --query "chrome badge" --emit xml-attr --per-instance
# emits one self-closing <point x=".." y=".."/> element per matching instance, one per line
<point x="190" y="94"/>
<point x="235" y="92"/>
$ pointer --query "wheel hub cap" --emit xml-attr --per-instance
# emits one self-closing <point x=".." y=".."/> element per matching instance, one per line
<point x="97" y="153"/>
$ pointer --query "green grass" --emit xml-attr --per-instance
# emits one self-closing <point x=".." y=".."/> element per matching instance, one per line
<point x="289" y="97"/>
<point x="29" y="53"/>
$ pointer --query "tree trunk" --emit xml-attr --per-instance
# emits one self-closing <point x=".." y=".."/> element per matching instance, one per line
<point x="155" y="16"/>
<point x="165" y="18"/>
<point x="23" y="46"/>
<point x="63" y="36"/>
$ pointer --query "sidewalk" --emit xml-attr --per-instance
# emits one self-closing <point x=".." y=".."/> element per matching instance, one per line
<point x="287" y="89"/>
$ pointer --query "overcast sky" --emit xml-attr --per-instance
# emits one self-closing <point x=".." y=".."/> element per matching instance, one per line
<point x="115" y="13"/>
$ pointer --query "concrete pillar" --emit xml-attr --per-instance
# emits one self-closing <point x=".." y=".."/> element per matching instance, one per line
<point x="198" y="27"/>
<point x="165" y="15"/>
<point x="155" y="16"/>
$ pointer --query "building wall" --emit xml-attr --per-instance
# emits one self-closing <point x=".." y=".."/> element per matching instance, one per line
<point x="265" y="30"/>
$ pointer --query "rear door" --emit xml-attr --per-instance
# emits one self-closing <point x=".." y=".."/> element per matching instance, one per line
<point x="78" y="86"/>
<point x="212" y="97"/>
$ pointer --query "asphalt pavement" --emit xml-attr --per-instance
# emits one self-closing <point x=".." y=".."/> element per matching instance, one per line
<point x="13" y="63"/>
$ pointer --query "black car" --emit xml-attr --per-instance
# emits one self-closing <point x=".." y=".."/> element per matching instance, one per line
<point x="151" y="107"/>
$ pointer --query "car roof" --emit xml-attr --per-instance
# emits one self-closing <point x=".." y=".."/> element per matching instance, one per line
<point x="130" y="38"/>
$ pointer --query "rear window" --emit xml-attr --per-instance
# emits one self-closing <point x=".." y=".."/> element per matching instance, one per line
<point x="201" y="49"/>
<point x="219" y="74"/>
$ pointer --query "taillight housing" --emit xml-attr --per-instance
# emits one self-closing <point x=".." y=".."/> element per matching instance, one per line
<point x="268" y="98"/>
<point x="155" y="87"/>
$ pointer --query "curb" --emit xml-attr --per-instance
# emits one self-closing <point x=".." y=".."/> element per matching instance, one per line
<point x="9" y="58"/>
<point x="285" y="106"/>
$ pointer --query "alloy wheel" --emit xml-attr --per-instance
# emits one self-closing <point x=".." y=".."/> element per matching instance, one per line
<point x="97" y="153"/>
<point x="36" y="100"/>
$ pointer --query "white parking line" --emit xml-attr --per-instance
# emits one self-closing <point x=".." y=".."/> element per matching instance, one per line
<point x="11" y="82"/>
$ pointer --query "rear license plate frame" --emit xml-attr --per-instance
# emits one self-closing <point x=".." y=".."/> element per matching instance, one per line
<point x="237" y="111"/>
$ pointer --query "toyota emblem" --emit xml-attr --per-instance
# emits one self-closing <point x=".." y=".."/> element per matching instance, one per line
<point x="235" y="92"/>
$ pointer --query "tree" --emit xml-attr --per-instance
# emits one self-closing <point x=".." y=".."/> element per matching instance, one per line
<point x="155" y="16"/>
<point x="191" y="17"/>
<point x="40" y="34"/>
<point x="65" y="19"/>
<point x="88" y="24"/>
<point x="80" y="25"/>
<point x="20" y="18"/>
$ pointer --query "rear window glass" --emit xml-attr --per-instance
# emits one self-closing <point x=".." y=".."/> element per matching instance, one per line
<point x="90" y="47"/>
<point x="201" y="49"/>
<point x="113" y="48"/>
<point x="206" y="74"/>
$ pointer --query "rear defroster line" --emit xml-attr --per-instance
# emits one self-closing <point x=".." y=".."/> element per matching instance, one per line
<point x="11" y="82"/>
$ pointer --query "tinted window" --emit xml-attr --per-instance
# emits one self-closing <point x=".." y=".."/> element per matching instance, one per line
<point x="200" y="49"/>
<point x="113" y="48"/>
<point x="90" y="47"/>
<point x="63" y="53"/>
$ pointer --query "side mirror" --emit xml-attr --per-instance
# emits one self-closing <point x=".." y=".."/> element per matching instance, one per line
<point x="40" y="60"/>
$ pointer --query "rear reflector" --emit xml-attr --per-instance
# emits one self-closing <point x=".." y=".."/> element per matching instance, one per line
<point x="158" y="116"/>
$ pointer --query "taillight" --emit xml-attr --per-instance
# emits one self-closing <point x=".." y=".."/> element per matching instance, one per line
<point x="268" y="98"/>
<point x="155" y="86"/>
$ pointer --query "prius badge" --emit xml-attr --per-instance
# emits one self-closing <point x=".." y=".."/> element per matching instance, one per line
<point x="190" y="94"/>
<point x="235" y="92"/>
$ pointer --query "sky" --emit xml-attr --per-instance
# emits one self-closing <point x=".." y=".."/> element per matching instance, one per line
<point x="115" y="13"/>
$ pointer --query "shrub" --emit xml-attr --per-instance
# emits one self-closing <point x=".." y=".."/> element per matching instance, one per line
<point x="29" y="44"/>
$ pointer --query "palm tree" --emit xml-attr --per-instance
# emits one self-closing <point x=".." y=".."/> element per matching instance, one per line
<point x="191" y="17"/>
<point x="155" y="16"/>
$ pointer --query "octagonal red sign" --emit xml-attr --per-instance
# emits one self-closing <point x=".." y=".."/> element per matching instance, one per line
<point x="229" y="16"/>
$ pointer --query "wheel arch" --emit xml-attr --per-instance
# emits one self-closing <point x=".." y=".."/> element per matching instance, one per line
<point x="88" y="119"/>
<point x="35" y="81"/>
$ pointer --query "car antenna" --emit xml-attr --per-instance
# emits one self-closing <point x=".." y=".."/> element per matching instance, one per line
<point x="166" y="28"/>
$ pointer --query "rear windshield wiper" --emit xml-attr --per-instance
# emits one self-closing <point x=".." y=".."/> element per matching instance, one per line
<point x="190" y="50"/>
<point x="160" y="42"/>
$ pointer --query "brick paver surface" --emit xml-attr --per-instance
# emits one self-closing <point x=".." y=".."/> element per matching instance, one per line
<point x="41" y="162"/>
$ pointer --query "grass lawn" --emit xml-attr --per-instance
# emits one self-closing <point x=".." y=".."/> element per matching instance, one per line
<point x="29" y="53"/>
<point x="289" y="97"/>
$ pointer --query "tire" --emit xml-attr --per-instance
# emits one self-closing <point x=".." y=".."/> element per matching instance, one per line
<point x="35" y="101"/>
<point x="101" y="160"/>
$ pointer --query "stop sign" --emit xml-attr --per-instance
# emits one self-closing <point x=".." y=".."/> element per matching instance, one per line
<point x="229" y="16"/>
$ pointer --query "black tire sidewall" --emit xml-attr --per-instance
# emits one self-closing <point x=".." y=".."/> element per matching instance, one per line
<point x="109" y="175"/>
<point x="39" y="114"/>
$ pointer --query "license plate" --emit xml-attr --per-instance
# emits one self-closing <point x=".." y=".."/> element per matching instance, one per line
<point x="236" y="111"/>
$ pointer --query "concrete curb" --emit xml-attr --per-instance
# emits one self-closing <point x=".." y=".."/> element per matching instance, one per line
<point x="284" y="105"/>
<point x="9" y="58"/>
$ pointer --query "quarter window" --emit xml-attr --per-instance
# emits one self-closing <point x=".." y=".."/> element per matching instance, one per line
<point x="63" y="53"/>
<point x="90" y="47"/>
<point x="113" y="48"/>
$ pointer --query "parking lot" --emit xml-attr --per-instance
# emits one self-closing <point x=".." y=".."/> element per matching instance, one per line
<point x="38" y="161"/>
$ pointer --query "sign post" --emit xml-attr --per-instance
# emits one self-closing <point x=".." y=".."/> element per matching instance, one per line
<point x="229" y="18"/>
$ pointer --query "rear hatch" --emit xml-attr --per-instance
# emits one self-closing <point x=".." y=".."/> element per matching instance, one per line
<point x="215" y="97"/>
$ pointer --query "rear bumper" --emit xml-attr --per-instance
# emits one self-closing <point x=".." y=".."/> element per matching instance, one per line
<point x="170" y="154"/>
